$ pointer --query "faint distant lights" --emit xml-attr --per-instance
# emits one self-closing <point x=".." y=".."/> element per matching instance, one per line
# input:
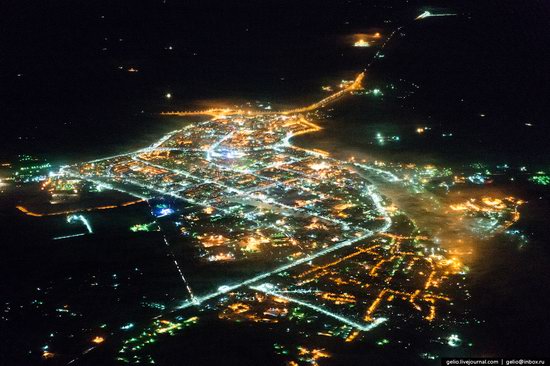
<point x="127" y="326"/>
<point x="540" y="178"/>
<point x="422" y="129"/>
<point x="128" y="69"/>
<point x="381" y="139"/>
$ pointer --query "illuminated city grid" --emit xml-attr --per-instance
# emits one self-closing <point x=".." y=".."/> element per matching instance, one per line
<point x="333" y="243"/>
<point x="338" y="247"/>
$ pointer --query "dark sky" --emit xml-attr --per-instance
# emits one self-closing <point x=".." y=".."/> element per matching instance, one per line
<point x="60" y="59"/>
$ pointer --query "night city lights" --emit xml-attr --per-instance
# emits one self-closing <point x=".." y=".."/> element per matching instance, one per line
<point x="204" y="183"/>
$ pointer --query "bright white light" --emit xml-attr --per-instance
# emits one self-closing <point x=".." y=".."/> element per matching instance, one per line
<point x="224" y="288"/>
<point x="454" y="340"/>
